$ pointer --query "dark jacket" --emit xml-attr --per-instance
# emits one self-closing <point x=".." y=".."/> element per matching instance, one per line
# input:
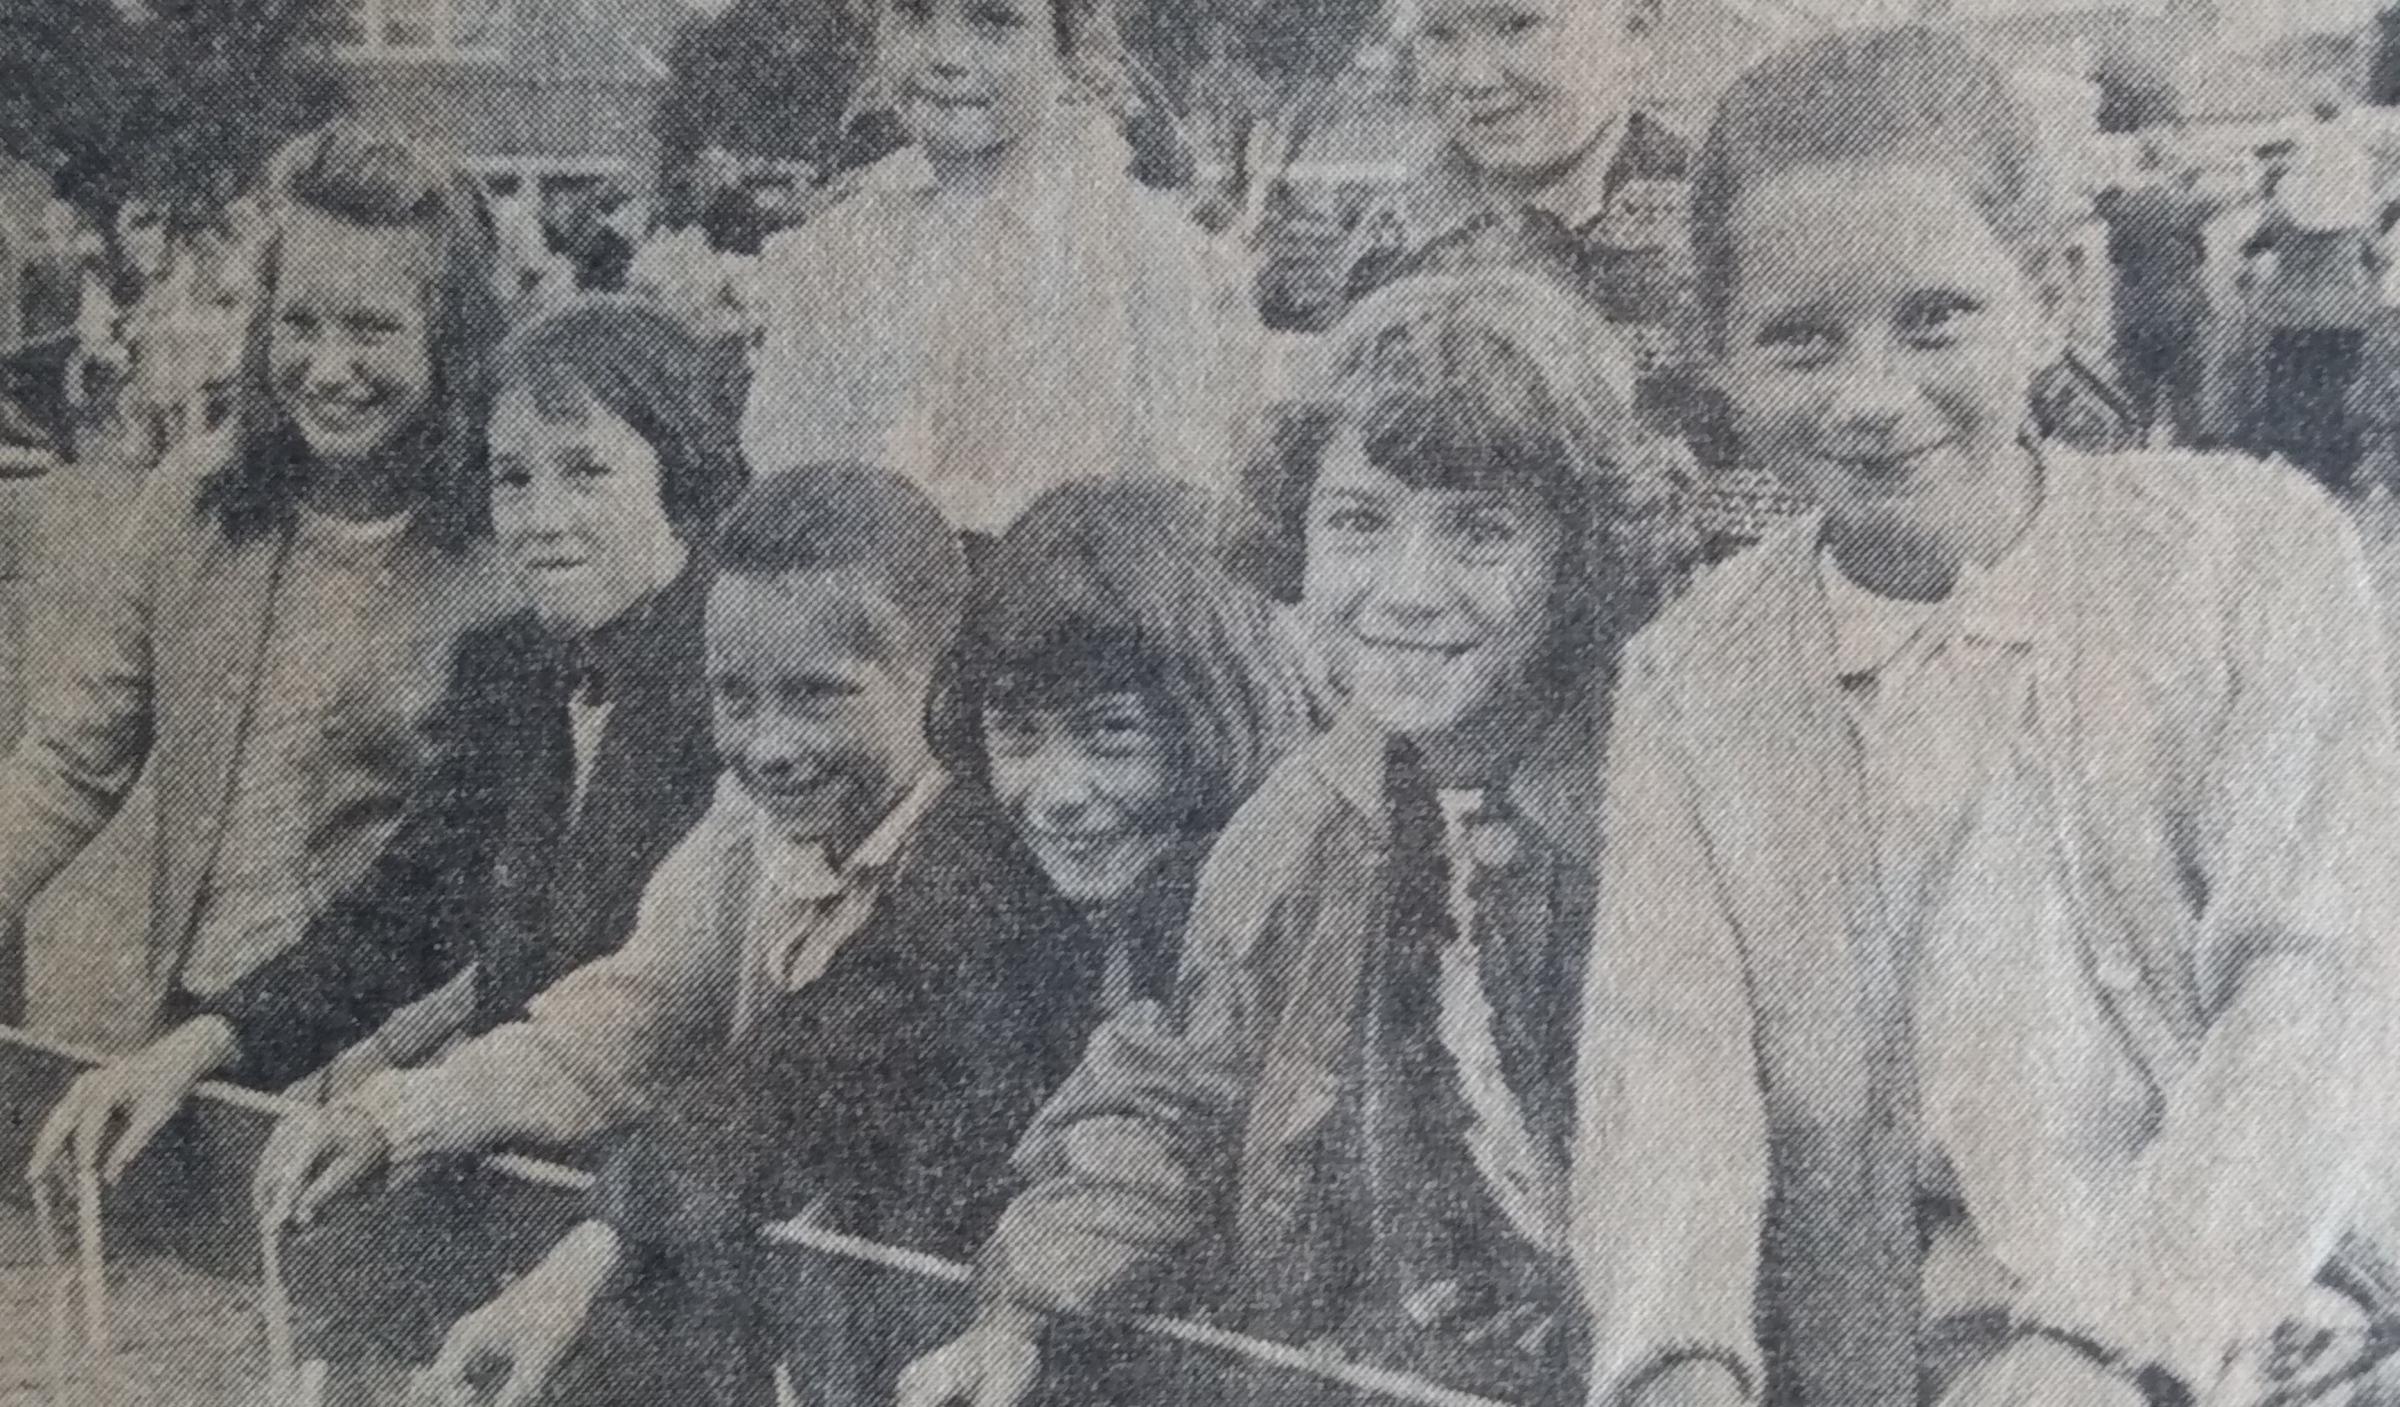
<point x="885" y="1099"/>
<point x="1214" y="1150"/>
<point x="500" y="874"/>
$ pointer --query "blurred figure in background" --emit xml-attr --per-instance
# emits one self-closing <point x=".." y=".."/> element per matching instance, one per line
<point x="2157" y="244"/>
<point x="2315" y="300"/>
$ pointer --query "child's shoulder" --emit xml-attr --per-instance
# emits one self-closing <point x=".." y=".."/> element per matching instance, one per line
<point x="2215" y="504"/>
<point x="1727" y="592"/>
<point x="1273" y="836"/>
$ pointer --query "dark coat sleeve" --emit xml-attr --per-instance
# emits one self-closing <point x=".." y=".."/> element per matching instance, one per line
<point x="891" y="1091"/>
<point x="410" y="924"/>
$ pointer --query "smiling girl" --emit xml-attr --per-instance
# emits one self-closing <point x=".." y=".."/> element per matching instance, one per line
<point x="576" y="745"/>
<point x="1000" y="309"/>
<point x="1997" y="920"/>
<point x="1361" y="1087"/>
<point x="287" y="615"/>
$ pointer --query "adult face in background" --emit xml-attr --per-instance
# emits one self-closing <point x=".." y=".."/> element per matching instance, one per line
<point x="1524" y="87"/>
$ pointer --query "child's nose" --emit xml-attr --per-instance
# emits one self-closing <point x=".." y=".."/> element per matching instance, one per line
<point x="946" y="47"/>
<point x="1063" y="794"/>
<point x="1477" y="69"/>
<point x="1872" y="396"/>
<point x="1414" y="573"/>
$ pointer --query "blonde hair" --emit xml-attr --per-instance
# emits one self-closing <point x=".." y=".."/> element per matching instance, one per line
<point x="379" y="179"/>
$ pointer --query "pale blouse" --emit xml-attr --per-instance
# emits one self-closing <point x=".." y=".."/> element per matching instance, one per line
<point x="1068" y="324"/>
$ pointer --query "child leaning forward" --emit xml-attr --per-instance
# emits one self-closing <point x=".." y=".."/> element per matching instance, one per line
<point x="1359" y="1093"/>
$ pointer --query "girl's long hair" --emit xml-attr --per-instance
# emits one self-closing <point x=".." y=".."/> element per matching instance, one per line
<point x="378" y="179"/>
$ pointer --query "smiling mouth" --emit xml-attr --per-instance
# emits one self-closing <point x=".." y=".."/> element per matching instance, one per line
<point x="791" y="791"/>
<point x="1079" y="845"/>
<point x="1885" y="466"/>
<point x="1497" y="118"/>
<point x="1413" y="647"/>
<point x="338" y="410"/>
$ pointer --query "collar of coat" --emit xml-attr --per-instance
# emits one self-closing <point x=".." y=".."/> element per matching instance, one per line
<point x="1450" y="192"/>
<point x="1554" y="784"/>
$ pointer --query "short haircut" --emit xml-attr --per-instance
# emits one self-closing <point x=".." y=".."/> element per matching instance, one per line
<point x="1116" y="585"/>
<point x="846" y="516"/>
<point x="1476" y="380"/>
<point x="1896" y="93"/>
<point x="643" y="367"/>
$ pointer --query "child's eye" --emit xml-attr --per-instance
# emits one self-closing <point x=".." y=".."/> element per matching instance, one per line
<point x="1798" y="343"/>
<point x="1009" y="731"/>
<point x="510" y="474"/>
<point x="1120" y="735"/>
<point x="736" y="700"/>
<point x="1486" y="530"/>
<point x="586" y="467"/>
<point x="374" y="330"/>
<point x="1938" y="319"/>
<point x="914" y="11"/>
<point x="818" y="695"/>
<point x="1438" y="35"/>
<point x="297" y="323"/>
<point x="1517" y="26"/>
<point x="997" y="17"/>
<point x="1354" y="520"/>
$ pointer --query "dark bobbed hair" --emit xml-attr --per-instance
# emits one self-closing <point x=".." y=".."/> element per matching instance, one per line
<point x="1895" y="93"/>
<point x="379" y="179"/>
<point x="645" y="368"/>
<point x="843" y="515"/>
<point x="1118" y="584"/>
<point x="1477" y="380"/>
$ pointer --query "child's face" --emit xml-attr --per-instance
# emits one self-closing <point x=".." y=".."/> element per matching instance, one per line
<point x="974" y="76"/>
<point x="1090" y="785"/>
<point x="575" y="502"/>
<point x="1434" y="606"/>
<point x="819" y="709"/>
<point x="1881" y="343"/>
<point x="349" y="351"/>
<point x="1523" y="86"/>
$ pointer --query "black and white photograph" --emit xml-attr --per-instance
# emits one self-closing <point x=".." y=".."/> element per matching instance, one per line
<point x="1158" y="703"/>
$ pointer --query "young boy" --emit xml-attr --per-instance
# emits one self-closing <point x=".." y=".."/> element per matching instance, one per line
<point x="1993" y="972"/>
<point x="1548" y="163"/>
<point x="836" y="590"/>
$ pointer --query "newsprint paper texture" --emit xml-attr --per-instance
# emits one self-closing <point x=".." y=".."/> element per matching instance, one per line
<point x="1125" y="703"/>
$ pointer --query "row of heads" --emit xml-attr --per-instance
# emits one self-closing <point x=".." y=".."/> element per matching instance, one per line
<point x="1457" y="524"/>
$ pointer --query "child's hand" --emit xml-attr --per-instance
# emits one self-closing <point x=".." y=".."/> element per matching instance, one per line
<point x="505" y="1353"/>
<point x="994" y="1363"/>
<point x="135" y="1095"/>
<point x="1698" y="1382"/>
<point x="313" y="1157"/>
<point x="2042" y="1372"/>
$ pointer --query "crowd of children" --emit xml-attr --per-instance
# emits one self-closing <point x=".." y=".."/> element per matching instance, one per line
<point x="1383" y="889"/>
